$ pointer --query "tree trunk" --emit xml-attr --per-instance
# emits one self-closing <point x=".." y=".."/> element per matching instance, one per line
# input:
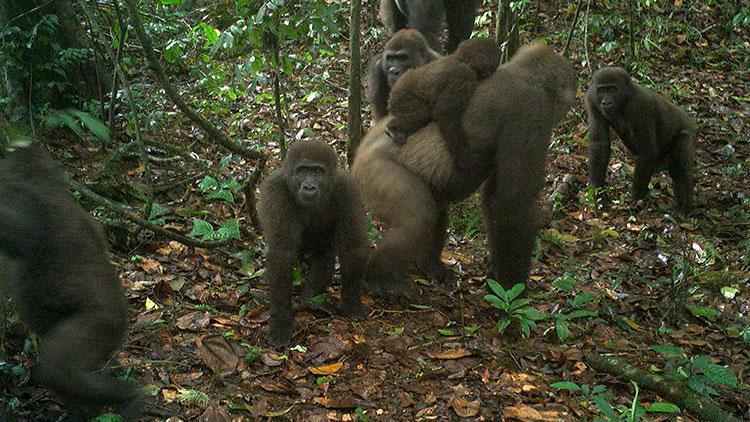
<point x="355" y="82"/>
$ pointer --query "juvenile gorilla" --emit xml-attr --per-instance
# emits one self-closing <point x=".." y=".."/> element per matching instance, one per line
<point x="428" y="16"/>
<point x="407" y="49"/>
<point x="310" y="207"/>
<point x="64" y="287"/>
<point x="510" y="120"/>
<point x="440" y="91"/>
<point x="656" y="132"/>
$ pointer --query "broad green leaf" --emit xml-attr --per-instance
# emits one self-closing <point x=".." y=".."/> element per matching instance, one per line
<point x="525" y="327"/>
<point x="582" y="299"/>
<point x="566" y="385"/>
<point x="207" y="183"/>
<point x="497" y="288"/>
<point x="516" y="290"/>
<point x="520" y="303"/>
<point x="667" y="350"/>
<point x="533" y="314"/>
<point x="496" y="302"/>
<point x="720" y="375"/>
<point x="201" y="228"/>
<point x="447" y="333"/>
<point x="502" y="325"/>
<point x="94" y="125"/>
<point x="561" y="328"/>
<point x="709" y="313"/>
<point x="565" y="283"/>
<point x="661" y="407"/>
<point x="221" y="194"/>
<point x="606" y="409"/>
<point x="230" y="229"/>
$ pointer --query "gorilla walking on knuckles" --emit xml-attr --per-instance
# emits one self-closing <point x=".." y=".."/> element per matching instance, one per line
<point x="310" y="207"/>
<point x="440" y="91"/>
<point x="509" y="119"/>
<point x="428" y="16"/>
<point x="656" y="132"/>
<point x="64" y="287"/>
<point x="407" y="49"/>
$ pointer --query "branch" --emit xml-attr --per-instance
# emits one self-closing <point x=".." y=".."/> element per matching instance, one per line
<point x="125" y="213"/>
<point x="676" y="392"/>
<point x="156" y="67"/>
<point x="572" y="28"/>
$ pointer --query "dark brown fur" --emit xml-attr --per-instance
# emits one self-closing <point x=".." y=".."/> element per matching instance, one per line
<point x="63" y="285"/>
<point x="316" y="212"/>
<point x="429" y="16"/>
<point x="510" y="118"/>
<point x="440" y="91"/>
<point x="658" y="133"/>
<point x="407" y="49"/>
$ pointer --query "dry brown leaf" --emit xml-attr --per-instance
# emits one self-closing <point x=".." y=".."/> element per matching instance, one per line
<point x="215" y="413"/>
<point x="218" y="355"/>
<point x="450" y="354"/>
<point x="194" y="321"/>
<point x="327" y="369"/>
<point x="335" y="403"/>
<point x="271" y="359"/>
<point x="465" y="408"/>
<point x="523" y="413"/>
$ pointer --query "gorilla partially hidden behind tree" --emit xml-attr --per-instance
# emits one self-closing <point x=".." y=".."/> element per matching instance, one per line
<point x="310" y="207"/>
<point x="429" y="17"/>
<point x="508" y="124"/>
<point x="658" y="133"/>
<point x="63" y="285"/>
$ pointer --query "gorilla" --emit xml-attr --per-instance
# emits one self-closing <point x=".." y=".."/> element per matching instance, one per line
<point x="66" y="291"/>
<point x="440" y="91"/>
<point x="508" y="124"/>
<point x="407" y="49"/>
<point x="309" y="207"/>
<point x="428" y="16"/>
<point x="658" y="133"/>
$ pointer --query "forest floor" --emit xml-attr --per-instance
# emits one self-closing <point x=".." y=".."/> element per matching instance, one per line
<point x="200" y="316"/>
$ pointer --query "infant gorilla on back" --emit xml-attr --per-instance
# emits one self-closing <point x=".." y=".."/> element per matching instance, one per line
<point x="440" y="91"/>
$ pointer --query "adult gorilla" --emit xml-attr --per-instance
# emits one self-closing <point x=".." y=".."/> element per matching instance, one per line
<point x="508" y="124"/>
<point x="429" y="17"/>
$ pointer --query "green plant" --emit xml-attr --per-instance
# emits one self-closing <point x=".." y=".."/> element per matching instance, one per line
<point x="698" y="372"/>
<point x="513" y="309"/>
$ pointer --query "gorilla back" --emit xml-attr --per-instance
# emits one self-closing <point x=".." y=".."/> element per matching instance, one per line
<point x="63" y="285"/>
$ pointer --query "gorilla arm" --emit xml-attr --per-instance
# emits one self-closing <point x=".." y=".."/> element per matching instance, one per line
<point x="351" y="246"/>
<point x="377" y="88"/>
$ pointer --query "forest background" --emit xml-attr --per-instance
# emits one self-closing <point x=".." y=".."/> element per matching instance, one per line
<point x="166" y="115"/>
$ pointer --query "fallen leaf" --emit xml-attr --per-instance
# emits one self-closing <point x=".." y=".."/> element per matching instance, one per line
<point x="194" y="321"/>
<point x="465" y="408"/>
<point x="523" y="413"/>
<point x="450" y="354"/>
<point x="218" y="355"/>
<point x="215" y="413"/>
<point x="327" y="369"/>
<point x="335" y="403"/>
